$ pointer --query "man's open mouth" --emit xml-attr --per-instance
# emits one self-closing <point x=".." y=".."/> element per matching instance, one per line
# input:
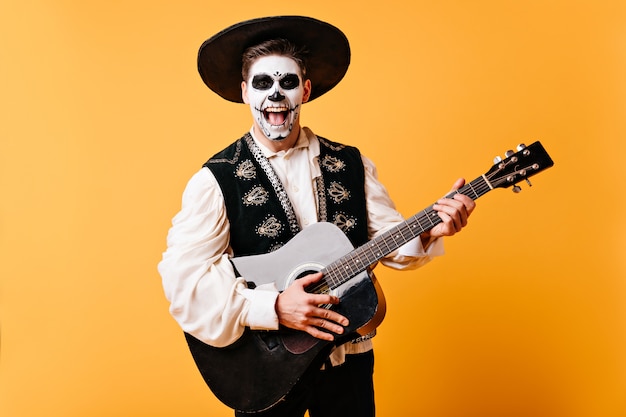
<point x="276" y="116"/>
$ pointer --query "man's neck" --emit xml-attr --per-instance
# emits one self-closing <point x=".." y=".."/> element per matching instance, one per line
<point x="278" y="145"/>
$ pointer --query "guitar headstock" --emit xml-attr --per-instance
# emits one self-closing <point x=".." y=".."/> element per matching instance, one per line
<point x="518" y="166"/>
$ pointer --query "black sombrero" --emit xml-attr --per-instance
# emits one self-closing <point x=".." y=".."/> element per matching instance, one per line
<point x="328" y="57"/>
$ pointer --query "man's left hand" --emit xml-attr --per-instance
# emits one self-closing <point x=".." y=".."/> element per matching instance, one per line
<point x="453" y="212"/>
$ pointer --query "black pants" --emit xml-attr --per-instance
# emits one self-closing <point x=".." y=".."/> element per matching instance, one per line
<point x="340" y="391"/>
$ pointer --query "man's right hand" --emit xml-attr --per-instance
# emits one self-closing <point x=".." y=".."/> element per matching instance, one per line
<point x="298" y="309"/>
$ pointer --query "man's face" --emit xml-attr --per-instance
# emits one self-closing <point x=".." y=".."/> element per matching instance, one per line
<point x="275" y="92"/>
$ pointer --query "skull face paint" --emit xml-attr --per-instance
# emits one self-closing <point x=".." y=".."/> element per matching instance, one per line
<point x="275" y="92"/>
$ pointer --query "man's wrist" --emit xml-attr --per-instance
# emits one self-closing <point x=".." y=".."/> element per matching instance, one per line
<point x="426" y="239"/>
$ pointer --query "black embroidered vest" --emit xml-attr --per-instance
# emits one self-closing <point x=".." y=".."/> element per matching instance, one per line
<point x="260" y="214"/>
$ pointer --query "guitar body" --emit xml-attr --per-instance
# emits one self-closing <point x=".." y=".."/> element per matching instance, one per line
<point x="258" y="370"/>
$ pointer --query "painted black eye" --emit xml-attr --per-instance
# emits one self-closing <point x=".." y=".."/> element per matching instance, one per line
<point x="262" y="82"/>
<point x="290" y="81"/>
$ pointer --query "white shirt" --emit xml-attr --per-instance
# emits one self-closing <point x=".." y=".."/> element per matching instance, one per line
<point x="206" y="298"/>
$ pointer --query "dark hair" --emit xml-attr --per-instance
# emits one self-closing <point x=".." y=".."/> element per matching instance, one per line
<point x="273" y="47"/>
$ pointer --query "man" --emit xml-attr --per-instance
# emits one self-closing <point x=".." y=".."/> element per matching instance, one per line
<point x="257" y="194"/>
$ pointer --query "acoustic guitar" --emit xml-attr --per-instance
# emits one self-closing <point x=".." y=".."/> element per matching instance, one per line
<point x="262" y="367"/>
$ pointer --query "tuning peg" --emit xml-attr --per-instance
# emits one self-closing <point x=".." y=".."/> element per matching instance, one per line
<point x="521" y="146"/>
<point x="517" y="189"/>
<point x="497" y="160"/>
<point x="509" y="153"/>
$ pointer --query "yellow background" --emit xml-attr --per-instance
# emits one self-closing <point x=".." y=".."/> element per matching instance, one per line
<point x="103" y="119"/>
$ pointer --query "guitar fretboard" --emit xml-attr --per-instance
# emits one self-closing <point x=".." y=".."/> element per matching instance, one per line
<point x="357" y="261"/>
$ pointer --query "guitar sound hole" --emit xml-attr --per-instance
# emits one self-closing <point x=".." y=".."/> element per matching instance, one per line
<point x="318" y="288"/>
<point x="305" y="273"/>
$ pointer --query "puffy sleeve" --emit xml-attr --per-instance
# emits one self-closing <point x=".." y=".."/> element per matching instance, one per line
<point x="206" y="298"/>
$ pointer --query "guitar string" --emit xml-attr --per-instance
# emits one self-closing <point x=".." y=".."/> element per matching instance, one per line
<point x="351" y="265"/>
<point x="395" y="237"/>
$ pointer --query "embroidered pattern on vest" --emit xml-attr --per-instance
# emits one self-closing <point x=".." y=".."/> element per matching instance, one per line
<point x="322" y="215"/>
<point x="329" y="145"/>
<point x="228" y="161"/>
<point x="275" y="246"/>
<point x="338" y="192"/>
<point x="344" y="222"/>
<point x="276" y="184"/>
<point x="246" y="170"/>
<point x="333" y="164"/>
<point x="256" y="196"/>
<point x="270" y="227"/>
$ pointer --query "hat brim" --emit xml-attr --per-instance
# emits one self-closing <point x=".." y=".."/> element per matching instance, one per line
<point x="328" y="57"/>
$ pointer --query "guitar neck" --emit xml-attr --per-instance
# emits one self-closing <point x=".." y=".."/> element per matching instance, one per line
<point x="357" y="261"/>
